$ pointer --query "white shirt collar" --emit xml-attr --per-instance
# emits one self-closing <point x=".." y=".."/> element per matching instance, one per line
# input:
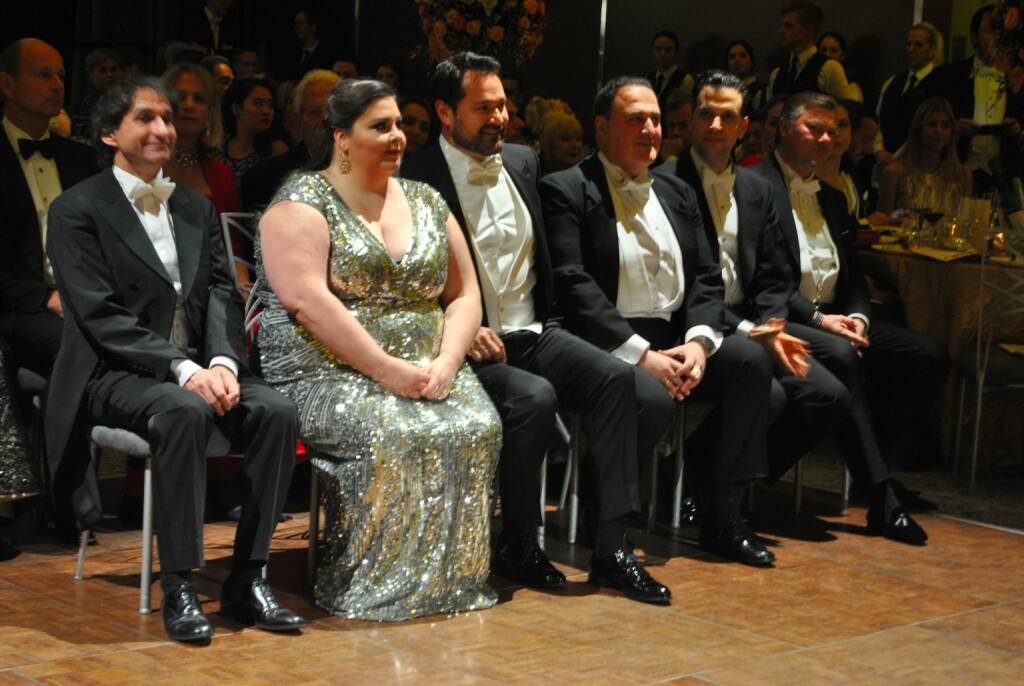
<point x="805" y="55"/>
<point x="923" y="71"/>
<point x="788" y="173"/>
<point x="459" y="163"/>
<point x="617" y="176"/>
<point x="15" y="133"/>
<point x="705" y="171"/>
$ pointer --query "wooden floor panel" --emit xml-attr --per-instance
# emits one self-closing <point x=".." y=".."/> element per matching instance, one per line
<point x="840" y="607"/>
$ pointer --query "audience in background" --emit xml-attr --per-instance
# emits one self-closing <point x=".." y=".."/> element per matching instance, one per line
<point x="902" y="93"/>
<point x="667" y="75"/>
<point x="248" y="112"/>
<point x="247" y="63"/>
<point x="676" y="126"/>
<point x="417" y="123"/>
<point x="806" y="69"/>
<point x="833" y="46"/>
<point x="103" y="69"/>
<point x="220" y="68"/>
<point x="346" y="67"/>
<point x="835" y="169"/>
<point x="739" y="58"/>
<point x="561" y="142"/>
<point x="388" y="73"/>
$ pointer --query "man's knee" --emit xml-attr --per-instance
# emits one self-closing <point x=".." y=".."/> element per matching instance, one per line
<point x="182" y="412"/>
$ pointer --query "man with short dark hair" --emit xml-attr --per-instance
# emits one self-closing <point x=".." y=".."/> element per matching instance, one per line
<point x="527" y="361"/>
<point x="668" y="77"/>
<point x="247" y="63"/>
<point x="679" y="110"/>
<point x="635" y="276"/>
<point x="313" y="52"/>
<point x="744" y="234"/>
<point x="154" y="344"/>
<point x="806" y="69"/>
<point x="828" y="306"/>
<point x="209" y="26"/>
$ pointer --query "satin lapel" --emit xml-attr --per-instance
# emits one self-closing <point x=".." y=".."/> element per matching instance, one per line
<point x="442" y="180"/>
<point x="783" y="207"/>
<point x="600" y="213"/>
<point x="675" y="210"/>
<point x="749" y="219"/>
<point x="125" y="223"/>
<point x="68" y="176"/>
<point x="189" y="234"/>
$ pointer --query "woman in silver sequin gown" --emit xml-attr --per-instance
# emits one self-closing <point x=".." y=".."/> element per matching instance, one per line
<point x="351" y="267"/>
<point x="18" y="477"/>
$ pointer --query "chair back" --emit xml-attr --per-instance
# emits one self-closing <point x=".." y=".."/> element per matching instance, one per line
<point x="239" y="225"/>
<point x="1000" y="292"/>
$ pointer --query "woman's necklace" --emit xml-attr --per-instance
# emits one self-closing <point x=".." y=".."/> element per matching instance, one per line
<point x="185" y="159"/>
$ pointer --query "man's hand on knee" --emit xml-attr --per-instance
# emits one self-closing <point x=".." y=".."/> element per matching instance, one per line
<point x="210" y="385"/>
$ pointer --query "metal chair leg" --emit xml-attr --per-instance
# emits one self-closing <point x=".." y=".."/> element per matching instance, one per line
<point x="847" y="482"/>
<point x="977" y="433"/>
<point x="677" y="491"/>
<point x="314" y="524"/>
<point x="652" y="505"/>
<point x="543" y="500"/>
<point x="83" y="545"/>
<point x="146" y="574"/>
<point x="575" y="455"/>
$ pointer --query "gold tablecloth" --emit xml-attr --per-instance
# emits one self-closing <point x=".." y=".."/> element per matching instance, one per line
<point x="941" y="299"/>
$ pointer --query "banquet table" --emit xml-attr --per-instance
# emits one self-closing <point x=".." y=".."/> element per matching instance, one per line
<point x="940" y="298"/>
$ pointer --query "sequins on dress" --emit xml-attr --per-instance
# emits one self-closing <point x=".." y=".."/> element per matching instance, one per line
<point x="18" y="473"/>
<point x="405" y="484"/>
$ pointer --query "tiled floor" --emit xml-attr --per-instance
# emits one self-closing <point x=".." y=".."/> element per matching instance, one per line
<point x="840" y="607"/>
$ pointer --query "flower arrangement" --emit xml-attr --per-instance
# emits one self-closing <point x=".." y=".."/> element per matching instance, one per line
<point x="509" y="30"/>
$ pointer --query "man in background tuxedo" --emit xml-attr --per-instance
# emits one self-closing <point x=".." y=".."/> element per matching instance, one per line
<point x="527" y="362"/>
<point x="668" y="77"/>
<point x="806" y="69"/>
<point x="35" y="167"/>
<point x="903" y="371"/>
<point x="210" y="27"/>
<point x="745" y="236"/>
<point x="635" y="276"/>
<point x="153" y="342"/>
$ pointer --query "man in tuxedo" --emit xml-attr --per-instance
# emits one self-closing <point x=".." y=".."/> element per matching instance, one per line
<point x="828" y="306"/>
<point x="677" y="126"/>
<point x="210" y="27"/>
<point x="667" y="76"/>
<point x="312" y="52"/>
<point x="986" y="110"/>
<point x="153" y="342"/>
<point x="310" y="101"/>
<point x="35" y="166"/>
<point x="635" y="276"/>
<point x="806" y="69"/>
<point x="745" y="236"/>
<point x="528" y="363"/>
<point x="902" y="93"/>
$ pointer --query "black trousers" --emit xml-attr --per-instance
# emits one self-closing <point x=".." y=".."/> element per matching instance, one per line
<point x="730" y="444"/>
<point x="907" y="367"/>
<point x="34" y="338"/>
<point x="178" y="423"/>
<point x="625" y="412"/>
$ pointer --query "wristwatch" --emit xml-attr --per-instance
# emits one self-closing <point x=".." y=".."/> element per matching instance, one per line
<point x="704" y="342"/>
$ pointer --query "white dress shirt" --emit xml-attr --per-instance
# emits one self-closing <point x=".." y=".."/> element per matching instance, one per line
<point x="989" y="108"/>
<point x="719" y="191"/>
<point x="43" y="181"/>
<point x="651" y="280"/>
<point x="501" y="237"/>
<point x="819" y="257"/>
<point x="155" y="217"/>
<point x="831" y="79"/>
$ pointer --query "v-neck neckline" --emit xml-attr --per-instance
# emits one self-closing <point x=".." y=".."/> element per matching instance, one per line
<point x="378" y="241"/>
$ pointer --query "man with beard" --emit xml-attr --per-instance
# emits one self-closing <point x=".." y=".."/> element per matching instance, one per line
<point x="528" y="363"/>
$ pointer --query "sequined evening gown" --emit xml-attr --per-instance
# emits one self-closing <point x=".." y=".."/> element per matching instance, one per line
<point x="18" y="473"/>
<point x="405" y="483"/>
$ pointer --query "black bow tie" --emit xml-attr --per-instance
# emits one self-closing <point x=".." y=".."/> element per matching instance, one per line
<point x="27" y="147"/>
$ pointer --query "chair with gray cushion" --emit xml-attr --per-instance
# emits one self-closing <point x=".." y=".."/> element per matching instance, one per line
<point x="133" y="445"/>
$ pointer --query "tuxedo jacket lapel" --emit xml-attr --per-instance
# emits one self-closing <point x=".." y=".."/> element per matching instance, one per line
<point x="120" y="214"/>
<point x="600" y="212"/>
<point x="189" y="234"/>
<point x="687" y="171"/>
<point x="22" y="210"/>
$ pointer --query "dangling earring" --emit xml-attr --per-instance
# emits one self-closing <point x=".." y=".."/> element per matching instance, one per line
<point x="344" y="164"/>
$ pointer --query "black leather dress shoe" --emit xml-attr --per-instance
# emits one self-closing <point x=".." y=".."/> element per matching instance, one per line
<point x="622" y="572"/>
<point x="254" y="603"/>
<point x="183" y="617"/>
<point x="898" y="526"/>
<point x="527" y="565"/>
<point x="738" y="542"/>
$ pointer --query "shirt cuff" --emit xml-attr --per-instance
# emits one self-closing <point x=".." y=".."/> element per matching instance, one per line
<point x="863" y="318"/>
<point x="225" y="361"/>
<point x="744" y="327"/>
<point x="708" y="332"/>
<point x="183" y="369"/>
<point x="632" y="350"/>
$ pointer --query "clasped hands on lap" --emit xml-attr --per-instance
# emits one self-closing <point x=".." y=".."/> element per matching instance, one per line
<point x="218" y="386"/>
<point x="408" y="380"/>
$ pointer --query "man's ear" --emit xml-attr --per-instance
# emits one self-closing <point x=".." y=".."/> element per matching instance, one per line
<point x="6" y="85"/>
<point x="108" y="139"/>
<point x="600" y="127"/>
<point x="444" y="113"/>
<point x="742" y="128"/>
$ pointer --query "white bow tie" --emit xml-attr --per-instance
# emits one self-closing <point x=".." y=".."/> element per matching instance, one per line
<point x="639" y="188"/>
<point x="486" y="172"/>
<point x="159" y="190"/>
<point x="720" y="182"/>
<point x="810" y="186"/>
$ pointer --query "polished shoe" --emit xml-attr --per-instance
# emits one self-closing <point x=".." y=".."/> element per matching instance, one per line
<point x="526" y="564"/>
<point x="898" y="526"/>
<point x="254" y="603"/>
<point x="738" y="542"/>
<point x="622" y="572"/>
<point x="912" y="500"/>
<point x="183" y="617"/>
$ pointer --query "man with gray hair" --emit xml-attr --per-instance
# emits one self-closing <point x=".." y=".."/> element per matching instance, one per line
<point x="309" y="103"/>
<point x="902" y="370"/>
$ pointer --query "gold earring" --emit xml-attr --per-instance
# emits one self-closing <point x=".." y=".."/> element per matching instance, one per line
<point x="344" y="164"/>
